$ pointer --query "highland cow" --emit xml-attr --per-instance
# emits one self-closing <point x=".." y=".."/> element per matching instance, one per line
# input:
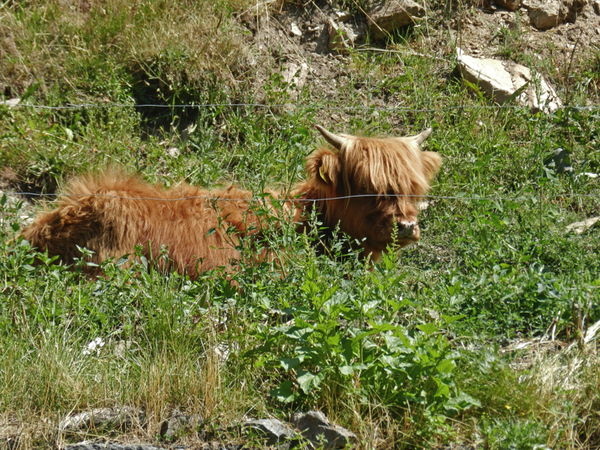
<point x="368" y="187"/>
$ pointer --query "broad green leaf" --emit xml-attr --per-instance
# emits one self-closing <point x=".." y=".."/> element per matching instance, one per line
<point x="289" y="363"/>
<point x="367" y="307"/>
<point x="445" y="366"/>
<point x="390" y="360"/>
<point x="396" y="344"/>
<point x="299" y="333"/>
<point x="450" y="319"/>
<point x="307" y="381"/>
<point x="462" y="402"/>
<point x="428" y="328"/>
<point x="284" y="392"/>
<point x="443" y="390"/>
<point x="334" y="341"/>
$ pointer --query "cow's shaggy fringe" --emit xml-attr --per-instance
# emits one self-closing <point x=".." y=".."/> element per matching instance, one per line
<point x="112" y="213"/>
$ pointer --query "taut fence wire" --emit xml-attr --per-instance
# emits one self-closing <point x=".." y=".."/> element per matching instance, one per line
<point x="519" y="198"/>
<point x="289" y="105"/>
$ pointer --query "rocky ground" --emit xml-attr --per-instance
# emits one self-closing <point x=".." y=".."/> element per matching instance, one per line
<point x="312" y="44"/>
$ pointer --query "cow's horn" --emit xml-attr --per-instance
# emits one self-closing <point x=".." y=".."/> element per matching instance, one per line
<point x="420" y="138"/>
<point x="333" y="139"/>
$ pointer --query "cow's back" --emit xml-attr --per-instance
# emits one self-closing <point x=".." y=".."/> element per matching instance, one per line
<point x="112" y="214"/>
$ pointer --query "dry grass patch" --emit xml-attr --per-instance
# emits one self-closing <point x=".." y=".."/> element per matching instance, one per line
<point x="54" y="41"/>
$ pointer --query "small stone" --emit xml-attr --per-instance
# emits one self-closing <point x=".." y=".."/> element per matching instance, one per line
<point x="580" y="227"/>
<point x="342" y="16"/>
<point x="11" y="103"/>
<point x="173" y="152"/>
<point x="178" y="424"/>
<point x="341" y="39"/>
<point x="275" y="431"/>
<point x="295" y="30"/>
<point x="386" y="17"/>
<point x="513" y="5"/>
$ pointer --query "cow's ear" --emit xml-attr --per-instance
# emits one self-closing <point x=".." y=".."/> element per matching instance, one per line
<point x="323" y="175"/>
<point x="431" y="164"/>
<point x="324" y="166"/>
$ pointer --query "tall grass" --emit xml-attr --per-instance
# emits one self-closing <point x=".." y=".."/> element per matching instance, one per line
<point x="411" y="353"/>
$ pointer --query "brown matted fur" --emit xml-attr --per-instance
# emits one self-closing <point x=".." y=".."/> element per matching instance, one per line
<point x="379" y="181"/>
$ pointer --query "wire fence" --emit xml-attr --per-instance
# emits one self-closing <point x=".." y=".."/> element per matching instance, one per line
<point x="517" y="198"/>
<point x="295" y="105"/>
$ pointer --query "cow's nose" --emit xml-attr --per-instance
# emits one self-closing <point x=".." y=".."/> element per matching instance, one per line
<point x="409" y="229"/>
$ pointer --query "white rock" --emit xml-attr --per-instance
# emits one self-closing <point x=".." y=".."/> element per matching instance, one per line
<point x="103" y="419"/>
<point x="275" y="432"/>
<point x="316" y="428"/>
<point x="295" y="73"/>
<point x="546" y="14"/>
<point x="386" y="16"/>
<point x="342" y="16"/>
<point x="499" y="80"/>
<point x="341" y="38"/>
<point x="580" y="227"/>
<point x="173" y="152"/>
<point x="295" y="29"/>
<point x="12" y="102"/>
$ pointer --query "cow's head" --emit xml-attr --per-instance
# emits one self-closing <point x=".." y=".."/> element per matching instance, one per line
<point x="380" y="180"/>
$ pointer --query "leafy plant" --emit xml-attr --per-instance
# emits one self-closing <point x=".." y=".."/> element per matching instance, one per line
<point x="349" y="341"/>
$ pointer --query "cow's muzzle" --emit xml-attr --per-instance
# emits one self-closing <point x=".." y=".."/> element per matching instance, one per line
<point x="408" y="230"/>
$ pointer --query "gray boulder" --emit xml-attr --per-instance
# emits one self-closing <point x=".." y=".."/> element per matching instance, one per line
<point x="316" y="428"/>
<point x="104" y="419"/>
<point x="274" y="431"/>
<point x="386" y="16"/>
<point x="178" y="424"/>
<point x="546" y="14"/>
<point x="513" y="5"/>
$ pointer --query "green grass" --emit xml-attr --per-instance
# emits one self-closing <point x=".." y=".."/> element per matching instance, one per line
<point x="412" y="349"/>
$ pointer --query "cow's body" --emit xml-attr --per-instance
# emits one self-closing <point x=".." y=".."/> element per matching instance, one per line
<point x="365" y="186"/>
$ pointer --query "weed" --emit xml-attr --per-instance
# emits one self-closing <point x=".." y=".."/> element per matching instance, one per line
<point x="510" y="38"/>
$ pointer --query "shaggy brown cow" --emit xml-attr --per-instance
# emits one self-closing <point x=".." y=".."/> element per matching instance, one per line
<point x="367" y="186"/>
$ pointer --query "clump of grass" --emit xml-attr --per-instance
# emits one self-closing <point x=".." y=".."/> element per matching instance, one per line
<point x="122" y="37"/>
